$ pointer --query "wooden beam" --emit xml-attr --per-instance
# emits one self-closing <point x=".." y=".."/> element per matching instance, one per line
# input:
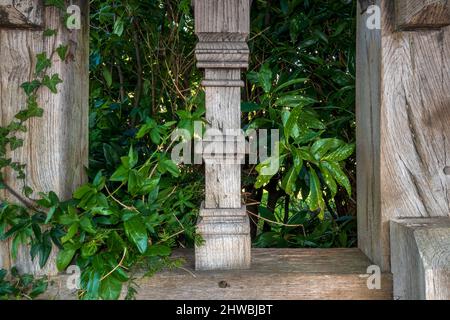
<point x="56" y="145"/>
<point x="222" y="27"/>
<point x="21" y="13"/>
<point x="420" y="255"/>
<point x="422" y="14"/>
<point x="403" y="136"/>
<point x="276" y="274"/>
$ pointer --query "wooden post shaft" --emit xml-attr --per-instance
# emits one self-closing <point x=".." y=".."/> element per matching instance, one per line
<point x="222" y="27"/>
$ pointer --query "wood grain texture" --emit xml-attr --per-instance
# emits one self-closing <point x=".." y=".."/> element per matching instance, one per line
<point x="403" y="136"/>
<point x="419" y="14"/>
<point x="222" y="28"/>
<point x="56" y="145"/>
<point x="280" y="274"/>
<point x="21" y="13"/>
<point x="420" y="255"/>
<point x="227" y="243"/>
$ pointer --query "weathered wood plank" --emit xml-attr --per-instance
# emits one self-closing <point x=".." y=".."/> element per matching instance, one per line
<point x="368" y="97"/>
<point x="56" y="146"/>
<point x="420" y="256"/>
<point x="21" y="13"/>
<point x="282" y="274"/>
<point x="419" y="14"/>
<point x="403" y="137"/>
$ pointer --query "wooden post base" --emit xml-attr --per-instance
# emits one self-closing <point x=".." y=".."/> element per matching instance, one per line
<point x="420" y="258"/>
<point x="227" y="243"/>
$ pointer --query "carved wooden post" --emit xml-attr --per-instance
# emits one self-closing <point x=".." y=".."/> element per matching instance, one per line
<point x="56" y="145"/>
<point x="222" y="27"/>
<point x="403" y="140"/>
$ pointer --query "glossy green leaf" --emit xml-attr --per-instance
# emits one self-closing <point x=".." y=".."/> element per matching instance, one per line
<point x="64" y="258"/>
<point x="340" y="154"/>
<point x="136" y="232"/>
<point x="339" y="175"/>
<point x="158" y="250"/>
<point x="289" y="180"/>
<point x="315" y="199"/>
<point x="329" y="179"/>
<point x="110" y="288"/>
<point x="322" y="146"/>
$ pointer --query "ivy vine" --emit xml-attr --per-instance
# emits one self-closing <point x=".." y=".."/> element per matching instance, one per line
<point x="113" y="225"/>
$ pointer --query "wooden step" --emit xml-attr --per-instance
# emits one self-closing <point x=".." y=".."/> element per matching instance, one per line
<point x="278" y="274"/>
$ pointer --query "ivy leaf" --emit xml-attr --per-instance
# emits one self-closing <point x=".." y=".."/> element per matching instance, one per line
<point x="169" y="166"/>
<point x="120" y="175"/>
<point x="31" y="111"/>
<point x="50" y="214"/>
<point x="93" y="284"/>
<point x="27" y="191"/>
<point x="30" y="87"/>
<point x="64" y="258"/>
<point x="62" y="51"/>
<point x="15" y="143"/>
<point x="49" y="32"/>
<point x="135" y="181"/>
<point x="81" y="191"/>
<point x="52" y="82"/>
<point x="73" y="229"/>
<point x="110" y="288"/>
<point x="42" y="62"/>
<point x="86" y="225"/>
<point x="136" y="232"/>
<point x="158" y="250"/>
<point x="133" y="158"/>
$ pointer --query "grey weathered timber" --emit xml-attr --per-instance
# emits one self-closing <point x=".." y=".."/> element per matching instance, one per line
<point x="416" y="14"/>
<point x="21" y="14"/>
<point x="280" y="274"/>
<point x="420" y="258"/>
<point x="403" y="132"/>
<point x="222" y="27"/>
<point x="56" y="145"/>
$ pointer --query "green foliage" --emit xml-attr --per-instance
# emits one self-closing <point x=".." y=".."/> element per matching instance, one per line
<point x="20" y="287"/>
<point x="302" y="82"/>
<point x="139" y="204"/>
